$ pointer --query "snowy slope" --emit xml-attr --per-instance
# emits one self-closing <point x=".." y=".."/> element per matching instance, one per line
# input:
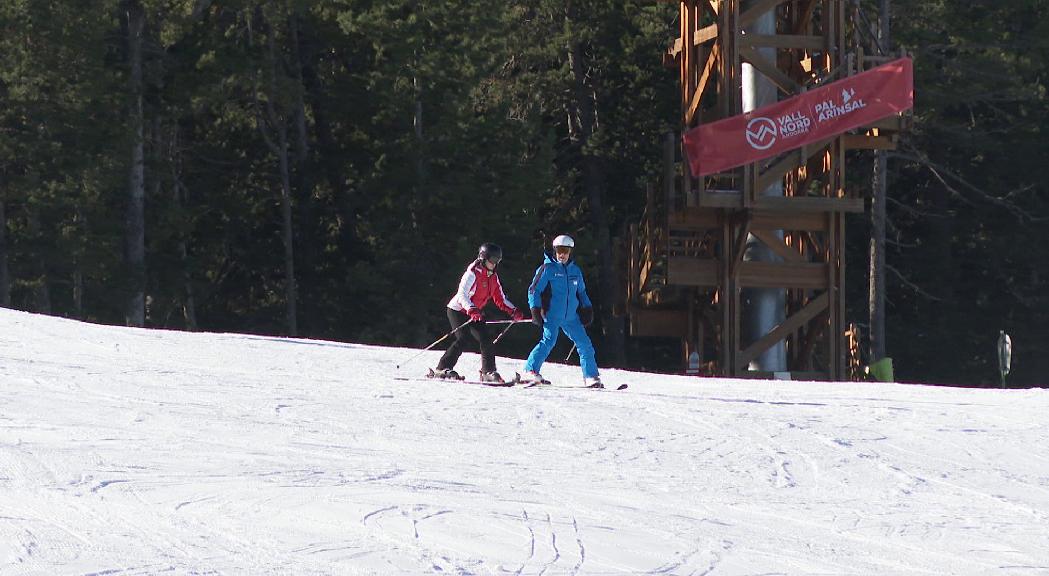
<point x="127" y="451"/>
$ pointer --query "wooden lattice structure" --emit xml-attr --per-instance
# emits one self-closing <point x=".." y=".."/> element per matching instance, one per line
<point x="686" y="267"/>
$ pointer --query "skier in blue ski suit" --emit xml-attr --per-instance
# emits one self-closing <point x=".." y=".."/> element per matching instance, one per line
<point x="558" y="300"/>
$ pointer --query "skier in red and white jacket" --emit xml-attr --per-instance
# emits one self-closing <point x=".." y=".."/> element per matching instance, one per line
<point x="479" y="285"/>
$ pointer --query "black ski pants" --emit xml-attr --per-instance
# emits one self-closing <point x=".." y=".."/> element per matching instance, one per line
<point x="476" y="331"/>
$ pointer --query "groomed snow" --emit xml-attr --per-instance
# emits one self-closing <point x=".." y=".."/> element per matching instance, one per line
<point x="127" y="451"/>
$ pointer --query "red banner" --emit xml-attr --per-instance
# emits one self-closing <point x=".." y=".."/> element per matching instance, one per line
<point x="820" y="113"/>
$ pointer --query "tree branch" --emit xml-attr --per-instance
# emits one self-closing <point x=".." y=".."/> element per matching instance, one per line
<point x="917" y="289"/>
<point x="942" y="173"/>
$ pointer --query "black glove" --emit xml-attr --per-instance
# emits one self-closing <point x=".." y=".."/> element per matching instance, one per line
<point x="586" y="316"/>
<point x="537" y="317"/>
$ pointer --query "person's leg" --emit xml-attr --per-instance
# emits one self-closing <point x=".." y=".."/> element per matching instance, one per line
<point x="583" y="346"/>
<point x="451" y="355"/>
<point x="479" y="331"/>
<point x="542" y="348"/>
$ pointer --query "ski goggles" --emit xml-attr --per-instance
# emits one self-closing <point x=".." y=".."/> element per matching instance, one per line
<point x="494" y="260"/>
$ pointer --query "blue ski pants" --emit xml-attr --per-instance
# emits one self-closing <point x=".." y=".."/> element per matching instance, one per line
<point x="577" y="333"/>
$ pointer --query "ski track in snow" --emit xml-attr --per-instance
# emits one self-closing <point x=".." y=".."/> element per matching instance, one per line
<point x="130" y="452"/>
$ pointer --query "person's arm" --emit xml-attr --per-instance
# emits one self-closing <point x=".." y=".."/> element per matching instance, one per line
<point x="466" y="288"/>
<point x="499" y="297"/>
<point x="535" y="289"/>
<point x="581" y="295"/>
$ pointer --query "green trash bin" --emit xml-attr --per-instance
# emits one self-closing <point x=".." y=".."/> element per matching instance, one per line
<point x="882" y="370"/>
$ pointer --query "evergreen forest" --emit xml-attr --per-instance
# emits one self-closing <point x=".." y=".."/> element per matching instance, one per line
<point x="327" y="168"/>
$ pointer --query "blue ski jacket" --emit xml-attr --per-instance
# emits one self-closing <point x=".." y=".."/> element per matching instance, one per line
<point x="558" y="289"/>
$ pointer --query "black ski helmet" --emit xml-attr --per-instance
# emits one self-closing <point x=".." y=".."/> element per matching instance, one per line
<point x="489" y="251"/>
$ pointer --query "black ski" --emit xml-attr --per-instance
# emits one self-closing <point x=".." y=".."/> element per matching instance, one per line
<point x="507" y="384"/>
<point x="516" y="381"/>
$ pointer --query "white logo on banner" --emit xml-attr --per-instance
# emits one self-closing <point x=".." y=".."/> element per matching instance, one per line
<point x="829" y="109"/>
<point x="794" y="124"/>
<point x="761" y="133"/>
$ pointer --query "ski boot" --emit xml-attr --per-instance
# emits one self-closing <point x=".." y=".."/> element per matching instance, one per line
<point x="594" y="382"/>
<point x="533" y="378"/>
<point x="492" y="377"/>
<point x="444" y="374"/>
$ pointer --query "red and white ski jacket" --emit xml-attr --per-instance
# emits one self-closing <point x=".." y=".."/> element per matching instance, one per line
<point x="477" y="287"/>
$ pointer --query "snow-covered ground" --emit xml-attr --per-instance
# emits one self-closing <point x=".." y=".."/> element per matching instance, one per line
<point x="127" y="451"/>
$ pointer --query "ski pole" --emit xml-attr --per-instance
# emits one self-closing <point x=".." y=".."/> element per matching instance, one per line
<point x="569" y="357"/>
<point x="439" y="340"/>
<point x="508" y="327"/>
<point x="511" y="323"/>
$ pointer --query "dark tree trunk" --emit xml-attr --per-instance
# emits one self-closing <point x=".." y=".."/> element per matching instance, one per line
<point x="308" y="246"/>
<point x="78" y="267"/>
<point x="582" y="123"/>
<point x="41" y="291"/>
<point x="419" y="190"/>
<point x="329" y="159"/>
<point x="5" y="278"/>
<point x="877" y="261"/>
<point x="281" y="149"/>
<point x="189" y="304"/>
<point x="877" y="294"/>
<point x="134" y="243"/>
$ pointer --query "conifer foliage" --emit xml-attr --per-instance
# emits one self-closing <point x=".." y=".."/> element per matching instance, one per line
<point x="327" y="168"/>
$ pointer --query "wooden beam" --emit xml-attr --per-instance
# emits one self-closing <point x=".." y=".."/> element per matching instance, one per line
<point x="670" y="144"/>
<point x="786" y="41"/>
<point x="809" y="276"/>
<point x="701" y="85"/>
<point x="757" y="10"/>
<point x="814" y="307"/>
<point x="633" y="281"/>
<point x="778" y="246"/>
<point x="784" y="82"/>
<point x="685" y="22"/>
<point x="693" y="219"/>
<point x="645" y="270"/>
<point x="865" y="142"/>
<point x="792" y="221"/>
<point x="686" y="271"/>
<point x="729" y="103"/>
<point x="811" y="204"/>
<point x="657" y="297"/>
<point x="805" y="18"/>
<point x="740" y="246"/>
<point x="703" y="35"/>
<point x="790" y="161"/>
<point x="778" y="169"/>
<point x="721" y="199"/>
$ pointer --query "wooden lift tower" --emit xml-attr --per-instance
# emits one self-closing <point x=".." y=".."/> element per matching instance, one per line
<point x="686" y="271"/>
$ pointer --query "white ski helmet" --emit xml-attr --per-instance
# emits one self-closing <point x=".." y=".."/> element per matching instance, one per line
<point x="564" y="240"/>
